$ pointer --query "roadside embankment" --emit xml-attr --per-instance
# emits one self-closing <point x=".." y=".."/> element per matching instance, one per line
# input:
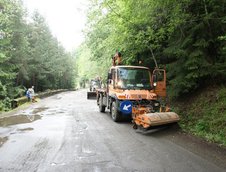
<point x="204" y="114"/>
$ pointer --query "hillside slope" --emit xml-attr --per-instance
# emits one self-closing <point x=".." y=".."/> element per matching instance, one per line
<point x="204" y="114"/>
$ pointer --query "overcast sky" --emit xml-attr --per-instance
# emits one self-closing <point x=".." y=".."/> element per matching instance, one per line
<point x="66" y="19"/>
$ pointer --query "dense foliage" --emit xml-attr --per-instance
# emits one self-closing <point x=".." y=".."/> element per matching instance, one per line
<point x="186" y="36"/>
<point x="29" y="54"/>
<point x="88" y="68"/>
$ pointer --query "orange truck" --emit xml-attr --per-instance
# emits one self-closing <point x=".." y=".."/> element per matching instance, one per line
<point x="132" y="91"/>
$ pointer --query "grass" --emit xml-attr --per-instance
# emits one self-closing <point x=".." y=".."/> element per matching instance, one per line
<point x="204" y="114"/>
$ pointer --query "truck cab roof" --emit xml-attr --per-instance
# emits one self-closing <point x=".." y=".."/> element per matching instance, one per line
<point x="122" y="66"/>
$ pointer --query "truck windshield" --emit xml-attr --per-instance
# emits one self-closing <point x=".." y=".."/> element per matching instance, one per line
<point x="133" y="78"/>
<point x="95" y="83"/>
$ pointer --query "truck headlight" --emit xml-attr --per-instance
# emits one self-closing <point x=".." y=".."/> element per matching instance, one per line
<point x="156" y="104"/>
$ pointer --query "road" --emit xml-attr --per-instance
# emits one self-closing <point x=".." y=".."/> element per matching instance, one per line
<point x="66" y="132"/>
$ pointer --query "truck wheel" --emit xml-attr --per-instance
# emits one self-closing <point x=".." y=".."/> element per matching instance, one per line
<point x="101" y="106"/>
<point x="115" y="115"/>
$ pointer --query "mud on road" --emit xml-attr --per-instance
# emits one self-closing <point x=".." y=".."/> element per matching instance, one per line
<point x="66" y="132"/>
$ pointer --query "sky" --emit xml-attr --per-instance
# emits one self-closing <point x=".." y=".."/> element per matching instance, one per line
<point x="66" y="19"/>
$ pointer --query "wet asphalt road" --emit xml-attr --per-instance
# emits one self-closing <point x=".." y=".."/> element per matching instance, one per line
<point x="65" y="132"/>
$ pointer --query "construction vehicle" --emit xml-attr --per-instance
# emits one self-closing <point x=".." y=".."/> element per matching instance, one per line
<point x="133" y="92"/>
<point x="94" y="85"/>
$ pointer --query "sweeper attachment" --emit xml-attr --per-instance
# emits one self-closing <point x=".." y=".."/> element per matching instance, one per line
<point x="91" y="95"/>
<point x="144" y="119"/>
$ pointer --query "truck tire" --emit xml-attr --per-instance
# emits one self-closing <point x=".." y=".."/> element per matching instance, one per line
<point x="115" y="115"/>
<point x="101" y="106"/>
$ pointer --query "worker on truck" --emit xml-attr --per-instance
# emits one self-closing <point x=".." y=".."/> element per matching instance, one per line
<point x="116" y="58"/>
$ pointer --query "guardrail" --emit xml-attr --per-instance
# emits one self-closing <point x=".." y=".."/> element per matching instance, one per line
<point x="21" y="100"/>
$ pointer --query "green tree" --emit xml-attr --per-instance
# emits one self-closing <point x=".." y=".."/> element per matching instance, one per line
<point x="199" y="53"/>
<point x="50" y="66"/>
<point x="29" y="55"/>
<point x="12" y="43"/>
<point x="89" y="68"/>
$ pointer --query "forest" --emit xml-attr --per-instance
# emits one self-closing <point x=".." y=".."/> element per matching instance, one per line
<point x="29" y="55"/>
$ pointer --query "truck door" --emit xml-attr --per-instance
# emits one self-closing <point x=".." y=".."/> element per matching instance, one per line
<point x="111" y="79"/>
<point x="159" y="82"/>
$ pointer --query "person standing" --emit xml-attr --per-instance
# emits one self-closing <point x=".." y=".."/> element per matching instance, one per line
<point x="28" y="95"/>
<point x="32" y="94"/>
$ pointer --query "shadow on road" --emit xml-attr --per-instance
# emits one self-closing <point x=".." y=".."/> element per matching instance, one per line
<point x="160" y="131"/>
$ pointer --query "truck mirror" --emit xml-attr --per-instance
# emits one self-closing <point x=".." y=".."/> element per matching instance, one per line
<point x="155" y="80"/>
